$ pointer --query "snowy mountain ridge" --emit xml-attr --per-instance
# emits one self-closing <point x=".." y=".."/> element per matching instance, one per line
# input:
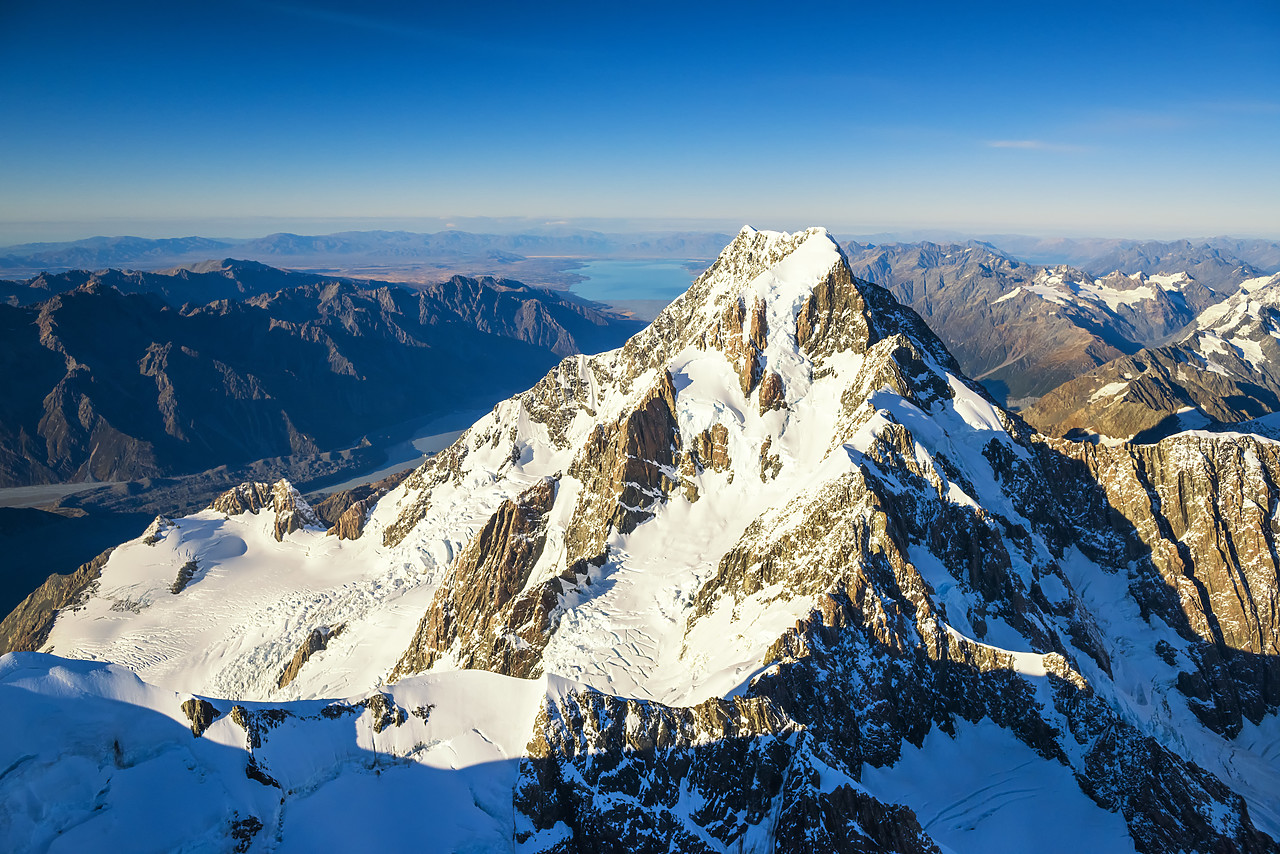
<point x="1220" y="371"/>
<point x="741" y="585"/>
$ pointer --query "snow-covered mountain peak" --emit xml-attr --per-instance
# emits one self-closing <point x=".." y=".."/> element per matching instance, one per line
<point x="777" y="373"/>
<point x="793" y="258"/>
<point x="775" y="560"/>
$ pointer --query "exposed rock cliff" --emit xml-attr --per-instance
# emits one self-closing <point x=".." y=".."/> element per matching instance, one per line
<point x="28" y="625"/>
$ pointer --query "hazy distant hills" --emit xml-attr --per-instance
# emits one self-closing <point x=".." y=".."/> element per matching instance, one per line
<point x="352" y="249"/>
<point x="109" y="379"/>
<point x="1212" y="262"/>
<point x="96" y="253"/>
<point x="197" y="283"/>
<point x="1208" y="260"/>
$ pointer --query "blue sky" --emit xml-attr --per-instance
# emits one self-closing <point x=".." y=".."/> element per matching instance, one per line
<point x="234" y="119"/>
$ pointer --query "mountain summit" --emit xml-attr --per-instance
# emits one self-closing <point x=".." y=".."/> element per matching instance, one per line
<point x="773" y="576"/>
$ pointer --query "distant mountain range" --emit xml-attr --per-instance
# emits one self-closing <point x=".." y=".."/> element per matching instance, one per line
<point x="1100" y="256"/>
<point x="1225" y="369"/>
<point x="1023" y="329"/>
<point x="119" y="376"/>
<point x="347" y="249"/>
<point x="1204" y="259"/>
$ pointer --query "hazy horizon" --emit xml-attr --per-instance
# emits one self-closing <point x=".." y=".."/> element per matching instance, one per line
<point x="250" y="228"/>
<point x="1134" y="120"/>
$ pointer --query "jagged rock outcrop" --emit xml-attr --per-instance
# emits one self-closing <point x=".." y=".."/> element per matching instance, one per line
<point x="772" y="393"/>
<point x="245" y="498"/>
<point x="626" y="468"/>
<point x="350" y="525"/>
<point x="292" y="513"/>
<point x="347" y="510"/>
<point x="316" y="641"/>
<point x="480" y="618"/>
<point x="186" y="572"/>
<point x="201" y="713"/>
<point x="711" y="448"/>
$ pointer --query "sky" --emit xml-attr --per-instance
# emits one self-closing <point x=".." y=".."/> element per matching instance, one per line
<point x="236" y="119"/>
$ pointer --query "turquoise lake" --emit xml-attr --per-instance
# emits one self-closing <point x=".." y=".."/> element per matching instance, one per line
<point x="622" y="281"/>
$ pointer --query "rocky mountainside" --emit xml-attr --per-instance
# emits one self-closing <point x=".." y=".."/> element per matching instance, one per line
<point x="1022" y="329"/>
<point x="1223" y="371"/>
<point x="98" y="384"/>
<point x="774" y="576"/>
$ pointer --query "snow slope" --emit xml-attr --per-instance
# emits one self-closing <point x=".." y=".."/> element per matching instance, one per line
<point x="107" y="762"/>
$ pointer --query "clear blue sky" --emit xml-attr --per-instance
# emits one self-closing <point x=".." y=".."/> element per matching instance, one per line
<point x="1115" y="119"/>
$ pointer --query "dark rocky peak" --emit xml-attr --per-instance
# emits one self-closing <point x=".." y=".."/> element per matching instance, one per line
<point x="292" y="512"/>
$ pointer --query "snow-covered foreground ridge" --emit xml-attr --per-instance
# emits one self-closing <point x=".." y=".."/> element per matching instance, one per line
<point x="773" y="576"/>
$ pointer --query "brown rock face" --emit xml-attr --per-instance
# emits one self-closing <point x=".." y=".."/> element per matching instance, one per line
<point x="28" y="625"/>
<point x="772" y="393"/>
<point x="1195" y="514"/>
<point x="770" y="463"/>
<point x="477" y="614"/>
<point x="201" y="713"/>
<point x="741" y="336"/>
<point x="711" y="448"/>
<point x="316" y="641"/>
<point x="346" y="511"/>
<point x="833" y="318"/>
<point x="245" y="498"/>
<point x="292" y="512"/>
<point x="625" y="469"/>
<point x="185" y="573"/>
<point x="350" y="524"/>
